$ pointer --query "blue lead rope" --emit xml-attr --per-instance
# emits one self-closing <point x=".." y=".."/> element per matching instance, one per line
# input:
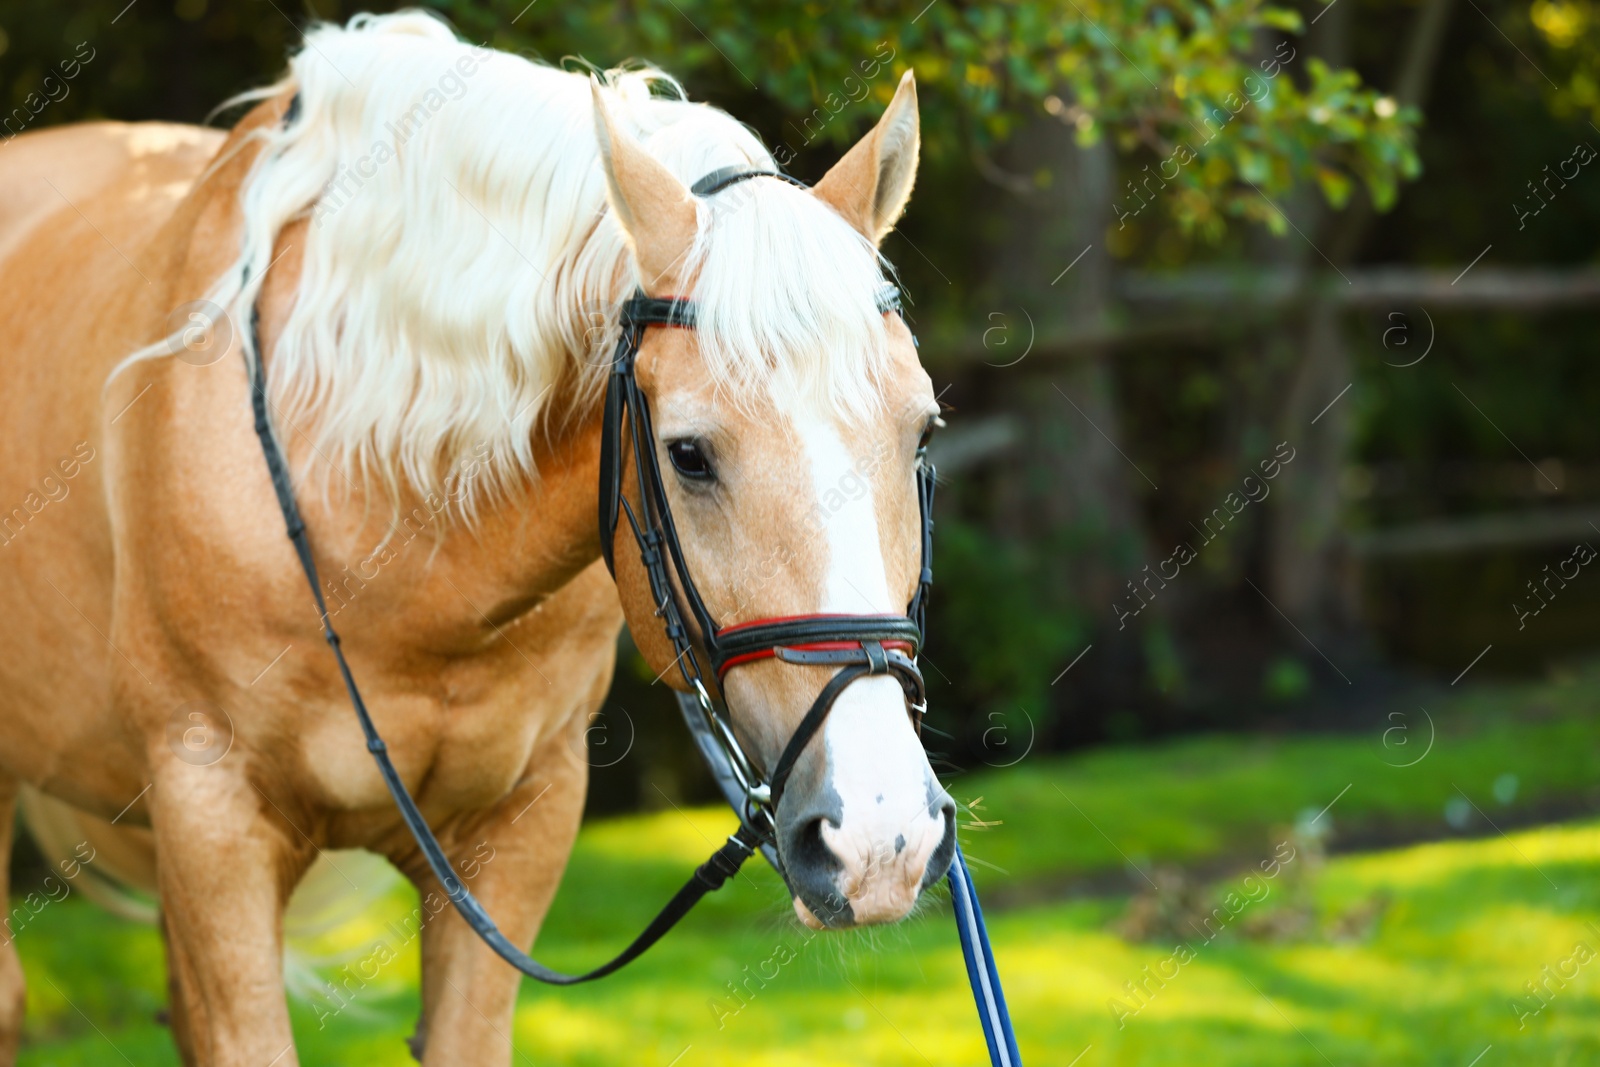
<point x="986" y="991"/>
<point x="981" y="971"/>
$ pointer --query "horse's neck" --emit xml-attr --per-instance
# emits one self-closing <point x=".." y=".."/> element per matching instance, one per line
<point x="520" y="547"/>
<point x="424" y="577"/>
<point x="536" y="538"/>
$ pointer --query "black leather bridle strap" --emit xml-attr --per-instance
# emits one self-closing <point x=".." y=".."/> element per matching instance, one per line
<point x="627" y="411"/>
<point x="624" y="402"/>
<point x="708" y="877"/>
<point x="720" y="179"/>
<point x="871" y="658"/>
<point x="739" y="644"/>
<point x="809" y="726"/>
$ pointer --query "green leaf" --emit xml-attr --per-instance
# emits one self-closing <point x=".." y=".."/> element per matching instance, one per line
<point x="1335" y="186"/>
<point x="1282" y="18"/>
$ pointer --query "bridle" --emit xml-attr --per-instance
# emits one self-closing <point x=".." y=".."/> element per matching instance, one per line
<point x="861" y="645"/>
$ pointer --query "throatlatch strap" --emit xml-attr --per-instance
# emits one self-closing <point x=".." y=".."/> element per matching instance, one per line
<point x="710" y="876"/>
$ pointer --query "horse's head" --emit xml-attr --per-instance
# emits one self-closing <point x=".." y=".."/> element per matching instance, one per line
<point x="788" y="427"/>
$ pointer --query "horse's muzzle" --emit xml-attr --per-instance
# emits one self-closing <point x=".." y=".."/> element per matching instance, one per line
<point x="845" y="875"/>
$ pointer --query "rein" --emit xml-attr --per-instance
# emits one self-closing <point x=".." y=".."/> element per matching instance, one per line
<point x="860" y="645"/>
<point x="709" y="876"/>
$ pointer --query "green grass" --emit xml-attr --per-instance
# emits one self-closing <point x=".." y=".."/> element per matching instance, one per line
<point x="1459" y="925"/>
<point x="1196" y="798"/>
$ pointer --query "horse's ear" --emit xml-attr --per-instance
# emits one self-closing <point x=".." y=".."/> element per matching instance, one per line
<point x="656" y="210"/>
<point x="871" y="184"/>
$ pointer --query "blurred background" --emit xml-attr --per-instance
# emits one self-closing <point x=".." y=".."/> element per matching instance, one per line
<point x="1266" y="338"/>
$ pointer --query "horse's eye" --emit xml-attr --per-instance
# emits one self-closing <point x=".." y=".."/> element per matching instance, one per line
<point x="927" y="434"/>
<point x="689" y="461"/>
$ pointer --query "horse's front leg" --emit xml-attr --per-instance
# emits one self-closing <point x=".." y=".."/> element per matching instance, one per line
<point x="511" y="858"/>
<point x="13" y="996"/>
<point x="228" y="860"/>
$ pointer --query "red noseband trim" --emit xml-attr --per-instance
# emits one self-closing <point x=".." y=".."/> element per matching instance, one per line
<point x="810" y="646"/>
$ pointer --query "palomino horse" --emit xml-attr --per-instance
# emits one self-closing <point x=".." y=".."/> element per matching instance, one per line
<point x="438" y="246"/>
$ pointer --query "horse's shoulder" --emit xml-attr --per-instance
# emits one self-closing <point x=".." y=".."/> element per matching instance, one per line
<point x="105" y="145"/>
<point x="80" y="160"/>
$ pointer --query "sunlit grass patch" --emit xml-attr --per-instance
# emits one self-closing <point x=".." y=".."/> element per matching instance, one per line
<point x="1407" y="956"/>
<point x="1390" y="997"/>
<point x="1431" y="984"/>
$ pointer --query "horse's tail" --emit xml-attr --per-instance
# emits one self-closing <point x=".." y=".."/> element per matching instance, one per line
<point x="115" y="866"/>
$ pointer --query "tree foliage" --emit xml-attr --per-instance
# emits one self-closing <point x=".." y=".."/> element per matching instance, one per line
<point x="1570" y="30"/>
<point x="1222" y="93"/>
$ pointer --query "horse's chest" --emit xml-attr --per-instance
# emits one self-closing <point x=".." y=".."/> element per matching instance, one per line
<point x="464" y="732"/>
<point x="452" y="754"/>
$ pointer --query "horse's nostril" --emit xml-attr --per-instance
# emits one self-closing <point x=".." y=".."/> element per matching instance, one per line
<point x="807" y="846"/>
<point x="945" y="851"/>
<point x="812" y="868"/>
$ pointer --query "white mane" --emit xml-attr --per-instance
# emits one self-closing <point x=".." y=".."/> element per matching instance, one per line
<point x="461" y="267"/>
